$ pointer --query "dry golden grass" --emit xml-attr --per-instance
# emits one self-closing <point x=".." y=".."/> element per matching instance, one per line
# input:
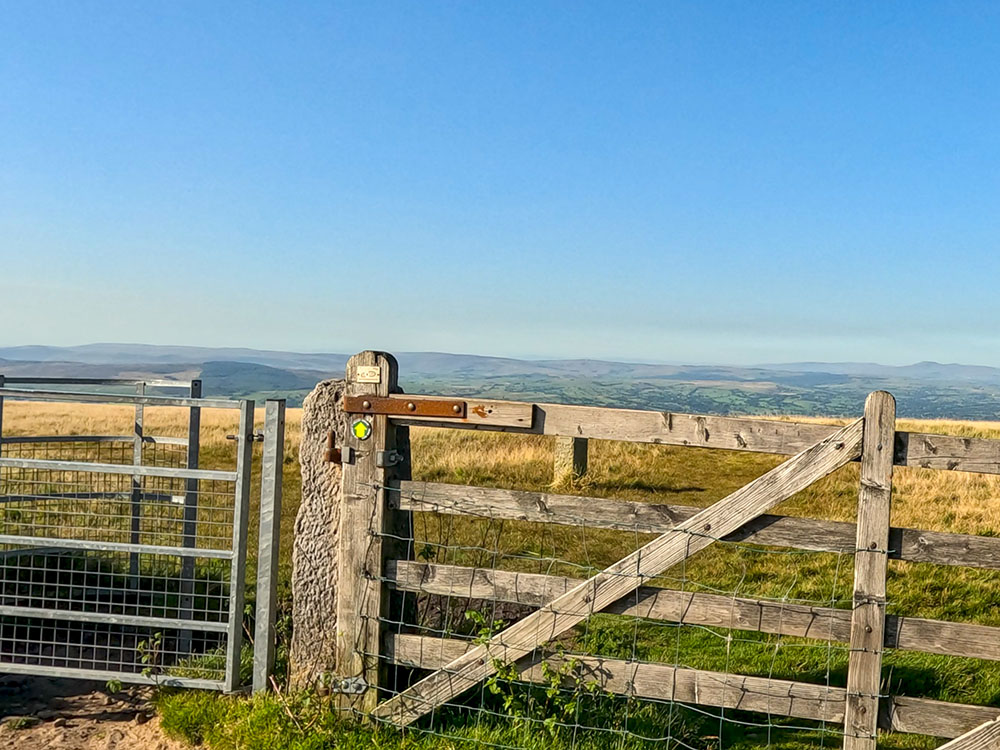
<point x="939" y="500"/>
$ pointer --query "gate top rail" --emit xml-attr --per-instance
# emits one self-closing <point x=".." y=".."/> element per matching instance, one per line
<point x="753" y="434"/>
<point x="117" y="398"/>
<point x="152" y="383"/>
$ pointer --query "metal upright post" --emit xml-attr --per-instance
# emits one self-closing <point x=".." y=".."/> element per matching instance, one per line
<point x="136" y="495"/>
<point x="269" y="542"/>
<point x="2" y="385"/>
<point x="237" y="574"/>
<point x="190" y="529"/>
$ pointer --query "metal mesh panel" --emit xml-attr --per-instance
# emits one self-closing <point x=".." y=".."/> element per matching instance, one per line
<point x="103" y="582"/>
<point x="110" y="647"/>
<point x="116" y="508"/>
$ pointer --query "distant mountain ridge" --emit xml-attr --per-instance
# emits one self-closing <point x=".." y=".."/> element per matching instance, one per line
<point x="441" y="363"/>
<point x="923" y="389"/>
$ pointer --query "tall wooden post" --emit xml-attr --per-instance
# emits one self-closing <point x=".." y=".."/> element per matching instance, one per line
<point x="363" y="598"/>
<point x="570" y="461"/>
<point x="864" y="670"/>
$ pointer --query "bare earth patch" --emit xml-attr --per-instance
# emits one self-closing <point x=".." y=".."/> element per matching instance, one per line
<point x="55" y="714"/>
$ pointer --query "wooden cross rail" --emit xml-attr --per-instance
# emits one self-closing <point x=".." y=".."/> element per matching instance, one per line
<point x="817" y="535"/>
<point x="622" y="578"/>
<point x="701" y="687"/>
<point x="695" y="608"/>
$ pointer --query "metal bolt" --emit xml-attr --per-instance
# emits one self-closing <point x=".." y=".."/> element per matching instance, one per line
<point x="873" y="545"/>
<point x="366" y="404"/>
<point x="411" y="406"/>
<point x="457" y="409"/>
<point x="868" y="628"/>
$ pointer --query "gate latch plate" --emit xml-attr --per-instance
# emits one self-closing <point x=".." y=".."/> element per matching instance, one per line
<point x="441" y="408"/>
<point x="349" y="686"/>
<point x="388" y="459"/>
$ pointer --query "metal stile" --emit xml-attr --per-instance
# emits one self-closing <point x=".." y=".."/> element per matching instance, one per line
<point x="268" y="543"/>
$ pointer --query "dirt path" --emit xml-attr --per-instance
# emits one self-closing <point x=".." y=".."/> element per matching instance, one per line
<point x="39" y="713"/>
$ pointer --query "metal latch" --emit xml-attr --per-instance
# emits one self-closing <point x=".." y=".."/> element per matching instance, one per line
<point x="335" y="455"/>
<point x="349" y="685"/>
<point x="255" y="437"/>
<point x="387" y="459"/>
<point x="442" y="408"/>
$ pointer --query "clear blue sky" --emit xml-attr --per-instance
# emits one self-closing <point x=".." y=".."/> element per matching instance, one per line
<point x="693" y="182"/>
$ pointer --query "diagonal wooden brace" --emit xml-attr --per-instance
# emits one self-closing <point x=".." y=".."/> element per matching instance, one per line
<point x="984" y="737"/>
<point x="624" y="576"/>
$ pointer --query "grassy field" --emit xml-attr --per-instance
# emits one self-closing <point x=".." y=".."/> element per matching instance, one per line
<point x="945" y="501"/>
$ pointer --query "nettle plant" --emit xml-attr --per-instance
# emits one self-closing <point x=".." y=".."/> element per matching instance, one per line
<point x="563" y="697"/>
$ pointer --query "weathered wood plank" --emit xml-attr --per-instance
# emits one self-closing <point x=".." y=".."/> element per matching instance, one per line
<point x="626" y="575"/>
<point x="948" y="452"/>
<point x="933" y="718"/>
<point x="984" y="737"/>
<point x="929" y="451"/>
<point x="362" y="600"/>
<point x="864" y="672"/>
<point x="902" y="714"/>
<point x="712" y="610"/>
<point x="648" y="680"/>
<point x="914" y="545"/>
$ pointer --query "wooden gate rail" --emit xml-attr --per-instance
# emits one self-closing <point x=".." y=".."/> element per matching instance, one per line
<point x="914" y="545"/>
<point x="918" y="449"/>
<point x="701" y="687"/>
<point x="693" y="608"/>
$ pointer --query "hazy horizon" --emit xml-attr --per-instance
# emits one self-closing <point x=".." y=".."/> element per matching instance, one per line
<point x="526" y="358"/>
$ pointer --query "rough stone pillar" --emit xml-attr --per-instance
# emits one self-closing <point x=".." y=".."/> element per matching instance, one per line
<point x="314" y="555"/>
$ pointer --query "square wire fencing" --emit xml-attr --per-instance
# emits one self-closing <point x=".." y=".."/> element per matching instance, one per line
<point x="121" y="558"/>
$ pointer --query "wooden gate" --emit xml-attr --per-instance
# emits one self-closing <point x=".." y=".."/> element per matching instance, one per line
<point x="376" y="558"/>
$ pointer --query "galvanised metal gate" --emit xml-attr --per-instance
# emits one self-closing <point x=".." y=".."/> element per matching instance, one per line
<point x="114" y="567"/>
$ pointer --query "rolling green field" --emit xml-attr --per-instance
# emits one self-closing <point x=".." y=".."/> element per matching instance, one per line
<point x="946" y="501"/>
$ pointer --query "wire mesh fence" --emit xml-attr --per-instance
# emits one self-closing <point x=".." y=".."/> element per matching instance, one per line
<point x="666" y="666"/>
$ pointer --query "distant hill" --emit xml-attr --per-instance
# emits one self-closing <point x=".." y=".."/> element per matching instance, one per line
<point x="924" y="389"/>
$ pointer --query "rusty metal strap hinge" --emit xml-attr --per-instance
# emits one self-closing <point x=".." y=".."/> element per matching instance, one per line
<point x="403" y="407"/>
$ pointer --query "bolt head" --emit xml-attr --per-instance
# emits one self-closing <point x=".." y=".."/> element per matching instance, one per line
<point x="457" y="409"/>
<point x="411" y="406"/>
<point x="366" y="404"/>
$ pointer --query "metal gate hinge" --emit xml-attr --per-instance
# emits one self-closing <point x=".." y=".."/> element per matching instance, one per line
<point x="401" y="406"/>
<point x="388" y="459"/>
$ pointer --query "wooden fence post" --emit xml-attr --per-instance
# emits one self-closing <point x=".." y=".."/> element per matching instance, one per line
<point x="363" y="597"/>
<point x="570" y="461"/>
<point x="864" y="672"/>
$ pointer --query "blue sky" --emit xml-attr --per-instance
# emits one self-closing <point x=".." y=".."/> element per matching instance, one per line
<point x="689" y="182"/>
